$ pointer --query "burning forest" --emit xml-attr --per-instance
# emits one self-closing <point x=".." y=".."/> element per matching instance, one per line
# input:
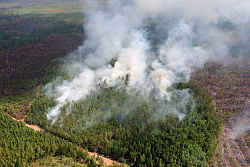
<point x="154" y="83"/>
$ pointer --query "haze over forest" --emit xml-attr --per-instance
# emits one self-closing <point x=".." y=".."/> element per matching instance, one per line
<point x="139" y="82"/>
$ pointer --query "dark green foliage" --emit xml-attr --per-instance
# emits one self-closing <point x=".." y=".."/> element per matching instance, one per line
<point x="20" y="145"/>
<point x="100" y="123"/>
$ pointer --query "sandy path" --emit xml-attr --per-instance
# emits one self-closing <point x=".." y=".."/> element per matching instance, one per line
<point x="35" y="127"/>
<point x="107" y="161"/>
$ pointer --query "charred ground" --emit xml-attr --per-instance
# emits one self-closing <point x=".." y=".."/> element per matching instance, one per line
<point x="229" y="87"/>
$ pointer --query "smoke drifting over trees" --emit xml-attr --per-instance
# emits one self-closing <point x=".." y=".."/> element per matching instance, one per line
<point x="147" y="46"/>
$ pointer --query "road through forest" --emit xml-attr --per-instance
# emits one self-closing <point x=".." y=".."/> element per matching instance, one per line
<point x="107" y="161"/>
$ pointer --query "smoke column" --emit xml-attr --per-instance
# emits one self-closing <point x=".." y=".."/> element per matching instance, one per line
<point x="153" y="42"/>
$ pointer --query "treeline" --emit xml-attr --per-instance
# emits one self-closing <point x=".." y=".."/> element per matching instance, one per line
<point x="19" y="30"/>
<point x="137" y="137"/>
<point x="20" y="145"/>
<point x="38" y="1"/>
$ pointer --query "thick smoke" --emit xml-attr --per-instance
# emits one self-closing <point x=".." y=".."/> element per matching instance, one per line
<point x="154" y="43"/>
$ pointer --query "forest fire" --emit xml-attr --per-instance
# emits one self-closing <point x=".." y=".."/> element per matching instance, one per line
<point x="154" y="83"/>
<point x="124" y="33"/>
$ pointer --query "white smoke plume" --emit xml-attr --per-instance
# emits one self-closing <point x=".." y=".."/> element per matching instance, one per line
<point x="154" y="42"/>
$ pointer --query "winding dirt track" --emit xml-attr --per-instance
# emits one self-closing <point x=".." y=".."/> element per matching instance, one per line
<point x="36" y="128"/>
<point x="108" y="162"/>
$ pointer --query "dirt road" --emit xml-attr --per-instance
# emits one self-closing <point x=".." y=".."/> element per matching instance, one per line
<point x="107" y="161"/>
<point x="36" y="128"/>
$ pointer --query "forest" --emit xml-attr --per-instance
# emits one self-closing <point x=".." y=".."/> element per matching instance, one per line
<point x="32" y="41"/>
<point x="35" y="37"/>
<point x="138" y="138"/>
<point x="20" y="145"/>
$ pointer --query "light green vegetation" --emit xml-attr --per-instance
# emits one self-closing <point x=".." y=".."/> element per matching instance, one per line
<point x="68" y="12"/>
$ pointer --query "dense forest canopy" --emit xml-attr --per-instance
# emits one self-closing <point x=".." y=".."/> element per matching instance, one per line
<point x="142" y="105"/>
<point x="20" y="145"/>
<point x="140" y="137"/>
